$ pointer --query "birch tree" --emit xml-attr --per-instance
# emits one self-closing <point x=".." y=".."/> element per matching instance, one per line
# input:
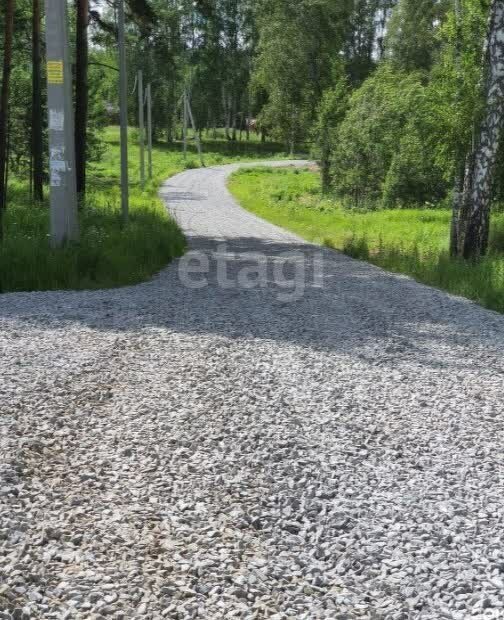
<point x="472" y="219"/>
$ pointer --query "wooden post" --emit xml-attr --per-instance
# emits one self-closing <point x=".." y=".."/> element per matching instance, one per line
<point x="141" y="128"/>
<point x="149" y="130"/>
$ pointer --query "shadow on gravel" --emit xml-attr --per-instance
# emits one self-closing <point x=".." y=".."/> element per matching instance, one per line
<point x="175" y="196"/>
<point x="345" y="305"/>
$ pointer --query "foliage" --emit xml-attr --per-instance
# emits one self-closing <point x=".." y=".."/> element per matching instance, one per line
<point x="293" y="76"/>
<point x="384" y="157"/>
<point x="412" y="42"/>
<point x="411" y="122"/>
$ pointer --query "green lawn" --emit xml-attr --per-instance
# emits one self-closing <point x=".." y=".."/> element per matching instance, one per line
<point x="107" y="255"/>
<point x="410" y="241"/>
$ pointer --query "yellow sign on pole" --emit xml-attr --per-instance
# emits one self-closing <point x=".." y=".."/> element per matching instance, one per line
<point x="55" y="72"/>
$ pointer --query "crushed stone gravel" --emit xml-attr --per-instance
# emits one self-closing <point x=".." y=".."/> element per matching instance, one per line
<point x="218" y="452"/>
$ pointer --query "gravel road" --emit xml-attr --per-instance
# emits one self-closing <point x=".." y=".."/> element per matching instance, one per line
<point x="327" y="445"/>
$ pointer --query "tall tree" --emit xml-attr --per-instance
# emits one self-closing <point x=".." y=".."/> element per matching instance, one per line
<point x="365" y="30"/>
<point x="294" y="77"/>
<point x="473" y="222"/>
<point x="458" y="185"/>
<point x="4" y="105"/>
<point x="411" y="39"/>
<point x="37" y="131"/>
<point x="81" y="93"/>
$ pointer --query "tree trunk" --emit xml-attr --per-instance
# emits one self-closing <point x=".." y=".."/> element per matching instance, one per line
<point x="4" y="107"/>
<point x="458" y="186"/>
<point x="233" y="118"/>
<point x="458" y="196"/>
<point x="81" y="93"/>
<point x="37" y="141"/>
<point x="292" y="137"/>
<point x="225" y="109"/>
<point x="472" y="234"/>
<point x="249" y="117"/>
<point x="325" y="164"/>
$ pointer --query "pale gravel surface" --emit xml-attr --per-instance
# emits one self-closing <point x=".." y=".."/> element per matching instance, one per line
<point x="219" y="453"/>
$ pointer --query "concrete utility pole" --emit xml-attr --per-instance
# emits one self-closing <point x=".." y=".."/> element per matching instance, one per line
<point x="64" y="220"/>
<point x="123" y="104"/>
<point x="141" y="127"/>
<point x="149" y="129"/>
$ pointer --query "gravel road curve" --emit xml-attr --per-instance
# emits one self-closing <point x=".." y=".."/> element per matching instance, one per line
<point x="321" y="446"/>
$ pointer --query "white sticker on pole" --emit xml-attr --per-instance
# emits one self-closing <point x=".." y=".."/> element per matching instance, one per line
<point x="56" y="178"/>
<point x="56" y="120"/>
<point x="57" y="154"/>
<point x="57" y="165"/>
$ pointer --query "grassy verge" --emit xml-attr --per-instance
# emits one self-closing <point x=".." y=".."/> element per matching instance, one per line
<point x="107" y="255"/>
<point x="410" y="241"/>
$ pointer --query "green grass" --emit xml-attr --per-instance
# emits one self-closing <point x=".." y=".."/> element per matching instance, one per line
<point x="108" y="254"/>
<point x="410" y="241"/>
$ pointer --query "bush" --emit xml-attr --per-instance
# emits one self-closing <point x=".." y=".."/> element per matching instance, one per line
<point x="412" y="178"/>
<point x="372" y="166"/>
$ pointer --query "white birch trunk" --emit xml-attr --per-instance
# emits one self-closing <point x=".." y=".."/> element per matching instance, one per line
<point x="474" y="216"/>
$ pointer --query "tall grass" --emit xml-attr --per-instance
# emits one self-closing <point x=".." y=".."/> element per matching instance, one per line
<point x="108" y="254"/>
<point x="410" y="241"/>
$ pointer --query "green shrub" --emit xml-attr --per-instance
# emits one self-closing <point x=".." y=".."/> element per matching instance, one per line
<point x="384" y="155"/>
<point x="412" y="178"/>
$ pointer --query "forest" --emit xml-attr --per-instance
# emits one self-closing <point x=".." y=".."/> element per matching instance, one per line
<point x="399" y="102"/>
